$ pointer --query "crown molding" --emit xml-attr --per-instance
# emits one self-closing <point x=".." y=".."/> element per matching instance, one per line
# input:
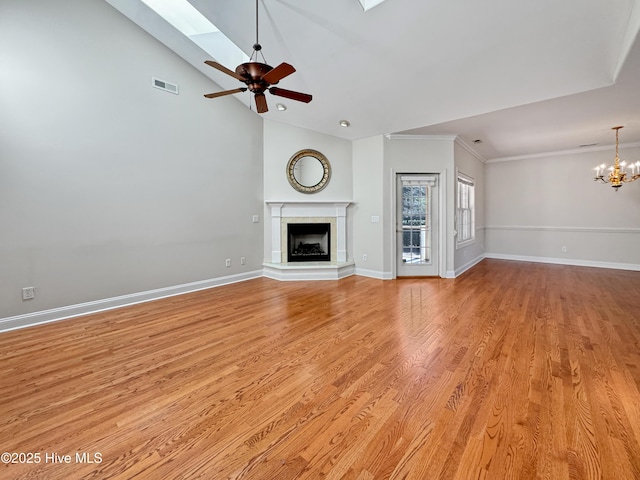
<point x="454" y="138"/>
<point x="469" y="149"/>
<point x="559" y="153"/>
<point x="399" y="136"/>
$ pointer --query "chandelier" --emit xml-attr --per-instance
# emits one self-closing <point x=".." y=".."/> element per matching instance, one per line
<point x="618" y="173"/>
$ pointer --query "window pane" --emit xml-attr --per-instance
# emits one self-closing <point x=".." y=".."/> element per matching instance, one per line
<point x="464" y="211"/>
<point x="416" y="234"/>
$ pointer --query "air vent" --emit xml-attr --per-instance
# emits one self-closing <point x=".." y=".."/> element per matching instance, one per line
<point x="166" y="86"/>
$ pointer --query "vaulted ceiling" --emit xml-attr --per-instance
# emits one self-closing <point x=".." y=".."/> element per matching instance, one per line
<point x="522" y="77"/>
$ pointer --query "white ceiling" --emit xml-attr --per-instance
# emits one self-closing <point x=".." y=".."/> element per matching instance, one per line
<point x="524" y="77"/>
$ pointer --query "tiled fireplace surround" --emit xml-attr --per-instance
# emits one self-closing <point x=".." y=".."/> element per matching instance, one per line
<point x="334" y="213"/>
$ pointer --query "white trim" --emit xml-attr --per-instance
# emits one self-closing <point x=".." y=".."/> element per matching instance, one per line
<point x="62" y="313"/>
<point x="335" y="210"/>
<point x="310" y="271"/>
<point x="460" y="270"/>
<point x="400" y="136"/>
<point x="471" y="182"/>
<point x="464" y="243"/>
<point x="558" y="153"/>
<point x="460" y="141"/>
<point x="547" y="228"/>
<point x="442" y="219"/>
<point x="464" y="178"/>
<point x="454" y="138"/>
<point x="565" y="261"/>
<point x="374" y="274"/>
<point x="443" y="225"/>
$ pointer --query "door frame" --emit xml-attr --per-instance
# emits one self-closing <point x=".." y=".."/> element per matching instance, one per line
<point x="442" y="219"/>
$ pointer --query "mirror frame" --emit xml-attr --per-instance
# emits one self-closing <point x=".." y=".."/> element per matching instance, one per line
<point x="326" y="174"/>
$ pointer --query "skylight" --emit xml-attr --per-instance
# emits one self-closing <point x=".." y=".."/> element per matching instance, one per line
<point x="190" y="22"/>
<point x="368" y="4"/>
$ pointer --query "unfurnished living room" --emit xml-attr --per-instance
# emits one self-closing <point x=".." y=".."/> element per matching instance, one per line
<point x="338" y="239"/>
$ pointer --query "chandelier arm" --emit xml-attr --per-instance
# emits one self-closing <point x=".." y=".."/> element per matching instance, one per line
<point x="617" y="173"/>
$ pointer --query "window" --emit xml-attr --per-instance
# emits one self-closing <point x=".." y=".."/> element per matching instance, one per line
<point x="416" y="219"/>
<point x="465" y="211"/>
<point x="195" y="26"/>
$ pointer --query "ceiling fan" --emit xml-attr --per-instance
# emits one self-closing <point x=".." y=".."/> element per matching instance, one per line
<point x="259" y="77"/>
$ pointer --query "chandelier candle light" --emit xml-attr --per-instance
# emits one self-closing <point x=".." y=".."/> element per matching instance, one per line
<point x="617" y="173"/>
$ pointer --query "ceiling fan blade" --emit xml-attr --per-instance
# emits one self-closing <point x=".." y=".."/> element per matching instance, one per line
<point x="278" y="73"/>
<point x="226" y="92"/>
<point x="261" y="103"/>
<point x="224" y="69"/>
<point x="300" y="97"/>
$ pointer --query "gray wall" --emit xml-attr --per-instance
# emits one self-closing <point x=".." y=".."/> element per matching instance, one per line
<point x="537" y="206"/>
<point x="368" y="182"/>
<point x="107" y="185"/>
<point x="468" y="164"/>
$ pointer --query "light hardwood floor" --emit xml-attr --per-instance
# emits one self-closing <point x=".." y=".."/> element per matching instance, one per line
<point x="512" y="371"/>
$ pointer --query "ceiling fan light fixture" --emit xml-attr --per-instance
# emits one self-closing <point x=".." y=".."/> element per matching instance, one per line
<point x="259" y="77"/>
<point x="345" y="123"/>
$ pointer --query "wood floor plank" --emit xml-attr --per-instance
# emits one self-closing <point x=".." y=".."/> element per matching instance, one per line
<point x="513" y="371"/>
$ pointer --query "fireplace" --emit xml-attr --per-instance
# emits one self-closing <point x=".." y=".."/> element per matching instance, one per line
<point x="333" y="266"/>
<point x="308" y="242"/>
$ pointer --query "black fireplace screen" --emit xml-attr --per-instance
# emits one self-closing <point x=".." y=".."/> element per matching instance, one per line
<point x="308" y="242"/>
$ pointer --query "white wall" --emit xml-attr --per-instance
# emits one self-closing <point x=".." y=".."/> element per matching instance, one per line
<point x="471" y="166"/>
<point x="281" y="142"/>
<point x="537" y="206"/>
<point x="107" y="185"/>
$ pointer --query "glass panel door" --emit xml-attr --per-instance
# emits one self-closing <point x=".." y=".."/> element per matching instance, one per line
<point x="417" y="225"/>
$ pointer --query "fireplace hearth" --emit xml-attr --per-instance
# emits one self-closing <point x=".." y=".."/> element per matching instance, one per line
<point x="309" y="242"/>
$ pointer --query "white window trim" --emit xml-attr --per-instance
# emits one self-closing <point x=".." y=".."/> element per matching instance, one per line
<point x="461" y="177"/>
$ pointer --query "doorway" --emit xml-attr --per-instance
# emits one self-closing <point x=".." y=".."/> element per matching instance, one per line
<point x="417" y="225"/>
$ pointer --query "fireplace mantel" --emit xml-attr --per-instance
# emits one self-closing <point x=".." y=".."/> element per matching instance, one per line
<point x="288" y="211"/>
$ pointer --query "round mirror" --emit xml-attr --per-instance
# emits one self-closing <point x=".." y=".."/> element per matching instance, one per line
<point x="308" y="171"/>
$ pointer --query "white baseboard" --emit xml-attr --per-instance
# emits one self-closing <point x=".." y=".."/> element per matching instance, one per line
<point x="62" y="313"/>
<point x="309" y="271"/>
<point x="363" y="272"/>
<point x="55" y="314"/>
<point x="460" y="270"/>
<point x="565" y="261"/>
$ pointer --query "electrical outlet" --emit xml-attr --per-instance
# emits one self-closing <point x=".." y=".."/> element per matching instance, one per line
<point x="564" y="249"/>
<point x="243" y="260"/>
<point x="28" y="293"/>
<point x="255" y="219"/>
<point x="365" y="257"/>
<point x="227" y="262"/>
